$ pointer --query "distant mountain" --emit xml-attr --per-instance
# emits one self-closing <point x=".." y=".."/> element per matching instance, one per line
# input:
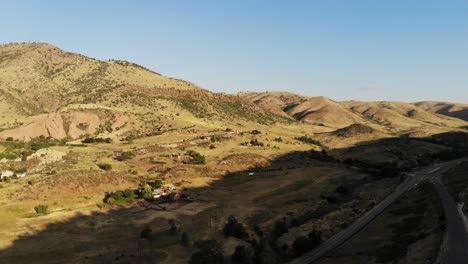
<point x="388" y="116"/>
<point x="45" y="91"/>
<point x="449" y="109"/>
<point x="320" y="110"/>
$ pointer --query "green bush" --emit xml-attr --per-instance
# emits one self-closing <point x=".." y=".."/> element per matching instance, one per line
<point x="195" y="158"/>
<point x="41" y="209"/>
<point x="129" y="194"/>
<point x="126" y="155"/>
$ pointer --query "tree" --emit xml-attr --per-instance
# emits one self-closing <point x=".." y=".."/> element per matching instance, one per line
<point x="210" y="252"/>
<point x="301" y="245"/>
<point x="41" y="209"/>
<point x="234" y="228"/>
<point x="147" y="193"/>
<point x="195" y="158"/>
<point x="129" y="194"/>
<point x="280" y="228"/>
<point x="126" y="155"/>
<point x="146" y="233"/>
<point x="105" y="166"/>
<point x="242" y="255"/>
<point x="172" y="226"/>
<point x="185" y="240"/>
<point x="315" y="238"/>
<point x="89" y="140"/>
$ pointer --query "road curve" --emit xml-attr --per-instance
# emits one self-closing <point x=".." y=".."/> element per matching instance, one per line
<point x="426" y="173"/>
<point x="456" y="248"/>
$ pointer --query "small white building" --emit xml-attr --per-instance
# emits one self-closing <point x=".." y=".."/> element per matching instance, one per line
<point x="6" y="173"/>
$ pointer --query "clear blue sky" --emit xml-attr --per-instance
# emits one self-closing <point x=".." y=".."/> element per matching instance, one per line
<point x="406" y="50"/>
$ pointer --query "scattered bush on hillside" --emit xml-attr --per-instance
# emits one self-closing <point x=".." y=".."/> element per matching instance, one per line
<point x="195" y="158"/>
<point x="173" y="228"/>
<point x="309" y="140"/>
<point x="255" y="142"/>
<point x="280" y="228"/>
<point x="242" y="255"/>
<point x="209" y="251"/>
<point x="255" y="132"/>
<point x="41" y="209"/>
<point x="105" y="166"/>
<point x="304" y="244"/>
<point x="82" y="126"/>
<point x="185" y="240"/>
<point x="120" y="197"/>
<point x="8" y="156"/>
<point x="234" y="228"/>
<point x="126" y="155"/>
<point x="146" y="233"/>
<point x="90" y="140"/>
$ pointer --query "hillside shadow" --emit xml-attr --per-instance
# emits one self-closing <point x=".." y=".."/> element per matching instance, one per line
<point x="113" y="235"/>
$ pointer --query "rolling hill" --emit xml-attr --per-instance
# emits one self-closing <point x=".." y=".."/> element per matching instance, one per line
<point x="390" y="117"/>
<point x="449" y="109"/>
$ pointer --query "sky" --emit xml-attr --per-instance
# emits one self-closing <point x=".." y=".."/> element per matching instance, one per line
<point x="402" y="50"/>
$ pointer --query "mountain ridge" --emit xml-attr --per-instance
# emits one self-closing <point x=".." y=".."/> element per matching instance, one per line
<point x="39" y="79"/>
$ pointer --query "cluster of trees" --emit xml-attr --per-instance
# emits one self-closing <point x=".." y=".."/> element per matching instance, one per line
<point x="90" y="140"/>
<point x="255" y="142"/>
<point x="126" y="155"/>
<point x="234" y="228"/>
<point x="120" y="197"/>
<point x="311" y="141"/>
<point x="195" y="158"/>
<point x="376" y="169"/>
<point x="305" y="244"/>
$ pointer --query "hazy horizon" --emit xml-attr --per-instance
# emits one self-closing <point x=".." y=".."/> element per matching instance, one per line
<point x="364" y="50"/>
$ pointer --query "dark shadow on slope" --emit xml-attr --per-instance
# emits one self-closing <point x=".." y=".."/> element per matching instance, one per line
<point x="114" y="236"/>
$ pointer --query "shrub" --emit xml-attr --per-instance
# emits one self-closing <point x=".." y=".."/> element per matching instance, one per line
<point x="310" y="140"/>
<point x="280" y="228"/>
<point x="129" y="194"/>
<point x="88" y="140"/>
<point x="315" y="238"/>
<point x="172" y="226"/>
<point x="255" y="142"/>
<point x="185" y="240"/>
<point x="301" y="245"/>
<point x="210" y="251"/>
<point x="146" y="233"/>
<point x="195" y="158"/>
<point x="234" y="228"/>
<point x="126" y="155"/>
<point x="105" y="166"/>
<point x="242" y="255"/>
<point x="41" y="209"/>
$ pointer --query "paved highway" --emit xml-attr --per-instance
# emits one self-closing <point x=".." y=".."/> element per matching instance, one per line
<point x="456" y="249"/>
